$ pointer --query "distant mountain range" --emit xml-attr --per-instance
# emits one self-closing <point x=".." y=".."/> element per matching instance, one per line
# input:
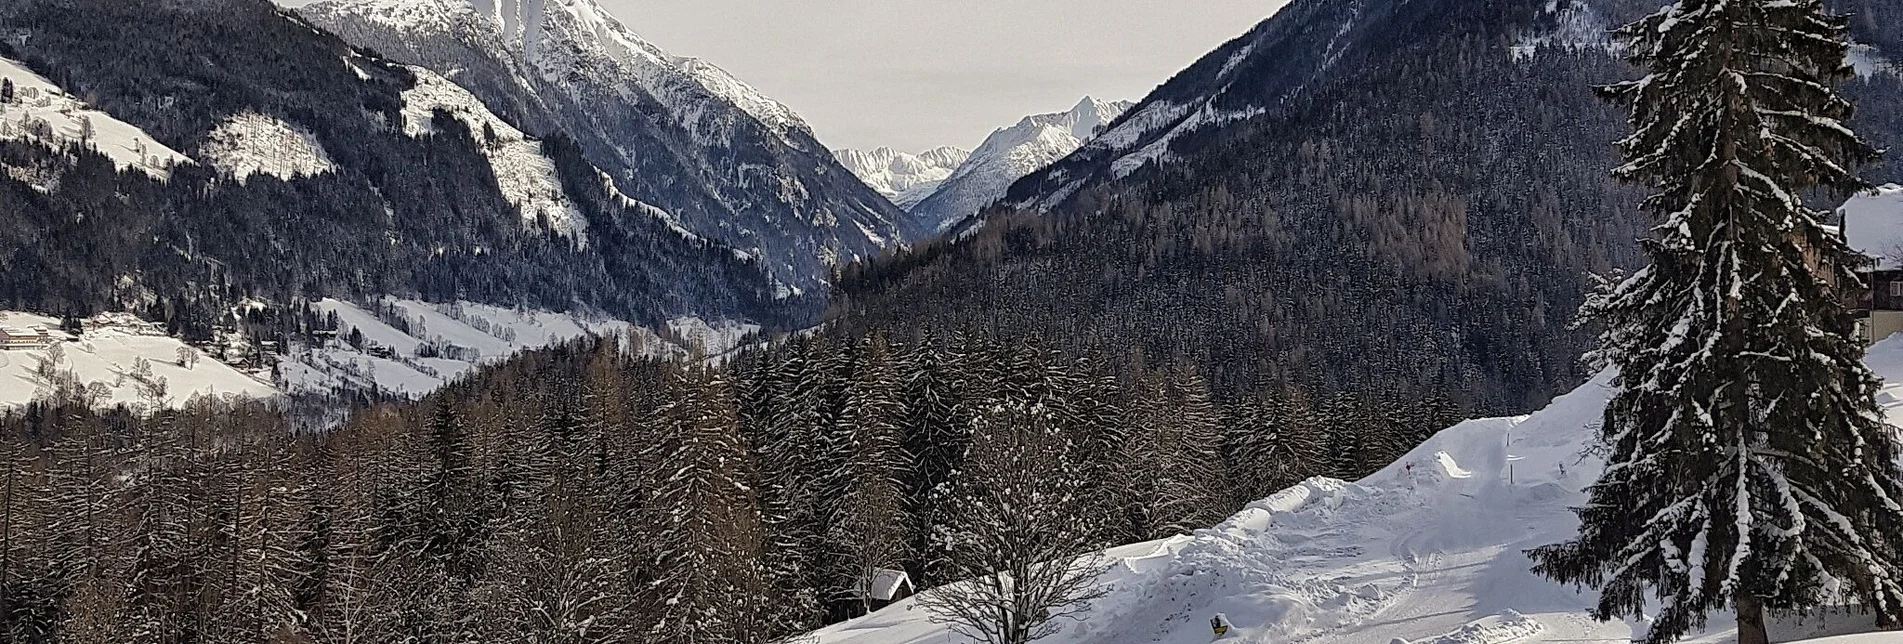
<point x="942" y="187"/>
<point x="903" y="177"/>
<point x="678" y="134"/>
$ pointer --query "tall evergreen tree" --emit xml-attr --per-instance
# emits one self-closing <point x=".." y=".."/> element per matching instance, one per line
<point x="1746" y="460"/>
<point x="709" y="541"/>
<point x="870" y="523"/>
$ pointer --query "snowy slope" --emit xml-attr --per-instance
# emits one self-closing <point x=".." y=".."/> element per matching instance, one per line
<point x="1009" y="154"/>
<point x="44" y="112"/>
<point x="1428" y="550"/>
<point x="903" y="177"/>
<point x="250" y="143"/>
<point x="411" y="348"/>
<point x="1873" y="222"/>
<point x="106" y="352"/>
<point x="1575" y="26"/>
<point x="526" y="177"/>
<point x="729" y="164"/>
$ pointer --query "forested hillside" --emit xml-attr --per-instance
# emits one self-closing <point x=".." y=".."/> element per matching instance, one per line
<point x="1414" y="204"/>
<point x="405" y="208"/>
<point x="581" y="492"/>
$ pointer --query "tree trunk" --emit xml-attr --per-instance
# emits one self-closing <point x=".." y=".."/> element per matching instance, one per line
<point x="1751" y="620"/>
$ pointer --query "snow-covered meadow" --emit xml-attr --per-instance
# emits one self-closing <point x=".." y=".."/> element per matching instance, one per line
<point x="436" y="343"/>
<point x="107" y="353"/>
<point x="44" y="112"/>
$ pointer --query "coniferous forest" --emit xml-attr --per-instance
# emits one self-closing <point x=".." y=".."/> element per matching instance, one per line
<point x="582" y="495"/>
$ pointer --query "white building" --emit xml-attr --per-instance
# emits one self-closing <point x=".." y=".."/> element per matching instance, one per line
<point x="33" y="337"/>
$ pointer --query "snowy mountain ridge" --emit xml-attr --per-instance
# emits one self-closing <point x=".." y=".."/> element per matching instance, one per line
<point x="903" y="177"/>
<point x="729" y="164"/>
<point x="1009" y="154"/>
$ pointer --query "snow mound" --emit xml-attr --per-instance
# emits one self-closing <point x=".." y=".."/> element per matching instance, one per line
<point x="526" y="177"/>
<point x="106" y="355"/>
<point x="250" y="143"/>
<point x="1508" y="626"/>
<point x="1873" y="224"/>
<point x="43" y="112"/>
<point x="1427" y="550"/>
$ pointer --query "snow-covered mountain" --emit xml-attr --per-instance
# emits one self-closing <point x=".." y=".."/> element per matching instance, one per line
<point x="903" y="177"/>
<point x="1008" y="155"/>
<point x="728" y="163"/>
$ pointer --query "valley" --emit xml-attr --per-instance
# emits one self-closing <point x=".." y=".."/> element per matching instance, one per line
<point x="1383" y="321"/>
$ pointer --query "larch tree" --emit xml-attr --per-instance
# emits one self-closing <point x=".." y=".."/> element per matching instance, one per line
<point x="1747" y="465"/>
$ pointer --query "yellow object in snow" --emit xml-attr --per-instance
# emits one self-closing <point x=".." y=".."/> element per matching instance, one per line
<point x="1219" y="624"/>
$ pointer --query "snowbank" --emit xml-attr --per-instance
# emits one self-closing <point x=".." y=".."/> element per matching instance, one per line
<point x="1428" y="550"/>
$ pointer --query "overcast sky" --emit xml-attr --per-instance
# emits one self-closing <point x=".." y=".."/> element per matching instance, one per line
<point x="914" y="74"/>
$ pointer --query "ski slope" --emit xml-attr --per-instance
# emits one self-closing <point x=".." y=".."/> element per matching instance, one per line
<point x="1426" y="551"/>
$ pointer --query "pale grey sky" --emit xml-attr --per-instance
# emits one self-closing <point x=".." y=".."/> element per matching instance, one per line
<point x="916" y="74"/>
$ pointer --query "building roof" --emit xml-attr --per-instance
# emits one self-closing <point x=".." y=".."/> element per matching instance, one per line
<point x="887" y="583"/>
<point x="1873" y="224"/>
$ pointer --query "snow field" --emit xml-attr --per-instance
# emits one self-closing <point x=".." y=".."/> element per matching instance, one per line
<point x="43" y="111"/>
<point x="526" y="177"/>
<point x="465" y="336"/>
<point x="250" y="143"/>
<point x="106" y="353"/>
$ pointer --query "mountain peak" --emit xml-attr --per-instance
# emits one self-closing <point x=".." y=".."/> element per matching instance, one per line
<point x="1009" y="154"/>
<point x="710" y="152"/>
<point x="903" y="177"/>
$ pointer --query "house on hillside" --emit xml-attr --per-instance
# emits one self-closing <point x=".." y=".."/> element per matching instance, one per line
<point x="1873" y="226"/>
<point x="34" y="337"/>
<point x="888" y="586"/>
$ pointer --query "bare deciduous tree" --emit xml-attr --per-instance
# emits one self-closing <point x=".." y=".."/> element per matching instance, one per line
<point x="1020" y="533"/>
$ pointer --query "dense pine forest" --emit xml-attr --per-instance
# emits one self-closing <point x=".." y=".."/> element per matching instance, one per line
<point x="1428" y="222"/>
<point x="582" y="495"/>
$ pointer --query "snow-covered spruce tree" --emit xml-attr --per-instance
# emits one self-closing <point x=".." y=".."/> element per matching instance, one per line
<point x="869" y="526"/>
<point x="1747" y="466"/>
<point x="708" y="544"/>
